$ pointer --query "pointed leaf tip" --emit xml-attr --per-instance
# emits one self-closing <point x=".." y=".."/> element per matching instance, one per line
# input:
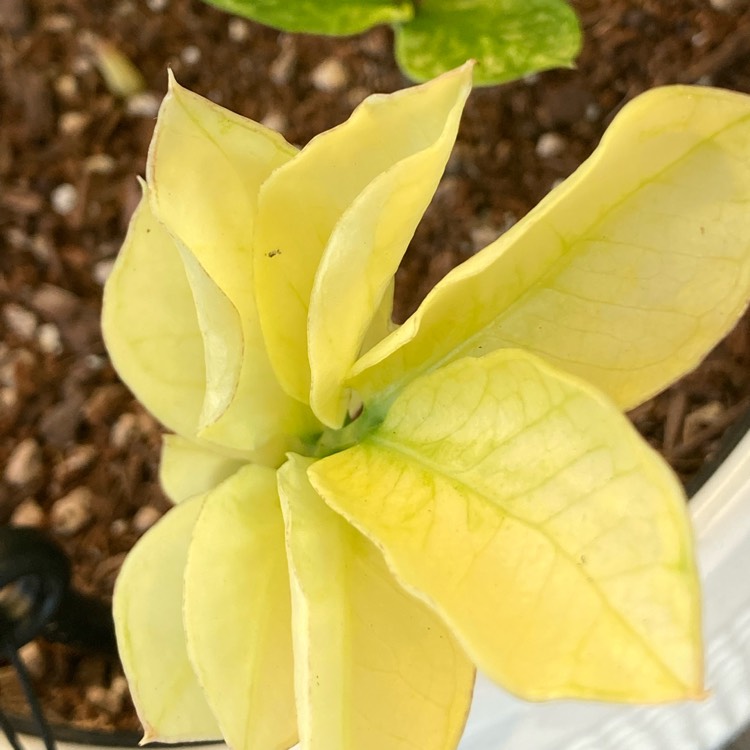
<point x="357" y="193"/>
<point x="204" y="171"/>
<point x="627" y="274"/>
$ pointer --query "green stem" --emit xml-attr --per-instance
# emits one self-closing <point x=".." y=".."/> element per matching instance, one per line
<point x="335" y="441"/>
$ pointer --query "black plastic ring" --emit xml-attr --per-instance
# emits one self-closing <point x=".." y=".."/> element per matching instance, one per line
<point x="28" y="557"/>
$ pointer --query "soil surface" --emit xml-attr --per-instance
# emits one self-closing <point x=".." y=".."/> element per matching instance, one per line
<point x="78" y="455"/>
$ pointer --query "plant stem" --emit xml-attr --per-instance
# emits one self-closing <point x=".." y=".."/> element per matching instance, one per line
<point x="335" y="441"/>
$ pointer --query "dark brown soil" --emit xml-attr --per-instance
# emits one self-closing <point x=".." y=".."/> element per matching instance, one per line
<point x="78" y="455"/>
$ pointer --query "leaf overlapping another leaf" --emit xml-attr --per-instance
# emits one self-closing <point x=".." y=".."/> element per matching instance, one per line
<point x="208" y="467"/>
<point x="510" y="496"/>
<point x="494" y="509"/>
<point x="151" y="328"/>
<point x="372" y="662"/>
<point x="147" y="610"/>
<point x="237" y="612"/>
<point x="626" y="274"/>
<point x="358" y="196"/>
<point x="214" y="217"/>
<point x="210" y="382"/>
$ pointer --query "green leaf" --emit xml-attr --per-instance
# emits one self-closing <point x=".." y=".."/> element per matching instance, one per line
<point x="333" y="225"/>
<point x="320" y="16"/>
<point x="237" y="612"/>
<point x="372" y="662"/>
<point x="147" y="610"/>
<point x="150" y="325"/>
<point x="508" y="38"/>
<point x="627" y="274"/>
<point x="188" y="468"/>
<point x="205" y="168"/>
<point x="525" y="508"/>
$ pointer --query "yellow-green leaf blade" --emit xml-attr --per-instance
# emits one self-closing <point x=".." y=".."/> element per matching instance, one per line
<point x="302" y="203"/>
<point x="150" y="325"/>
<point x="507" y="38"/>
<point x="529" y="512"/>
<point x="372" y="662"/>
<point x="320" y="16"/>
<point x="627" y="274"/>
<point x="188" y="468"/>
<point x="205" y="168"/>
<point x="147" y="610"/>
<point x="238" y="613"/>
<point x="366" y="247"/>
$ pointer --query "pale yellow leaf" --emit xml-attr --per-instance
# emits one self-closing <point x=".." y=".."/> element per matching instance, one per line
<point x="221" y="330"/>
<point x="188" y="468"/>
<point x="238" y="612"/>
<point x="374" y="667"/>
<point x="344" y="210"/>
<point x="627" y="274"/>
<point x="147" y="610"/>
<point x="205" y="168"/>
<point x="150" y="325"/>
<point x="367" y="244"/>
<point x="382" y="324"/>
<point x="526" y="509"/>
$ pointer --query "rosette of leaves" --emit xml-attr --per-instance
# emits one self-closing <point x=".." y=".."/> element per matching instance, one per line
<point x="365" y="513"/>
<point x="508" y="38"/>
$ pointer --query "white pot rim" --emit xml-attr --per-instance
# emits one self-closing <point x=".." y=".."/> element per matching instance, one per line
<point x="721" y="517"/>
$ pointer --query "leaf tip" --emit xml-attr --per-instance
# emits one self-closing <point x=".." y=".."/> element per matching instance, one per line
<point x="149" y="734"/>
<point x="465" y="72"/>
<point x="172" y="84"/>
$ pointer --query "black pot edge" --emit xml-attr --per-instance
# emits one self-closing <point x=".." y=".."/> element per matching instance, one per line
<point x="729" y="442"/>
<point x="96" y="737"/>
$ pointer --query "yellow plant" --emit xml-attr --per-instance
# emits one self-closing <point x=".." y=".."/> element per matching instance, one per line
<point x="365" y="513"/>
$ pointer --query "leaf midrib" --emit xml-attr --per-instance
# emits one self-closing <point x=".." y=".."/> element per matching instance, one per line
<point x="414" y="457"/>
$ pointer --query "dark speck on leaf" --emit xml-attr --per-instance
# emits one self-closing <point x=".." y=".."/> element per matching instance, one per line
<point x="273" y="253"/>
